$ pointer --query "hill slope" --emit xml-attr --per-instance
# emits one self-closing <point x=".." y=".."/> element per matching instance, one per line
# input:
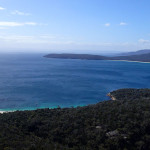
<point x="109" y="125"/>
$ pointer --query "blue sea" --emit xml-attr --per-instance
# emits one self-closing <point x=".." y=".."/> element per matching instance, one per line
<point x="30" y="81"/>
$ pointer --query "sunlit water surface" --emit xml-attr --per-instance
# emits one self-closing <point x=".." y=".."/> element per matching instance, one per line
<point x="30" y="81"/>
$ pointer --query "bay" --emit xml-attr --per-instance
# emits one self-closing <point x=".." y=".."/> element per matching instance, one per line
<point x="30" y="81"/>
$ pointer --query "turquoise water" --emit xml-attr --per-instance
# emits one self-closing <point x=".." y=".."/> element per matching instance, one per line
<point x="30" y="81"/>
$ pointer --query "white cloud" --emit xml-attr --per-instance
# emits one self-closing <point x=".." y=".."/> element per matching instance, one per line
<point x="107" y="24"/>
<point x="30" y="23"/>
<point x="144" y="41"/>
<point x="56" y="42"/>
<point x="14" y="24"/>
<point x="16" y="12"/>
<point x="28" y="39"/>
<point x="123" y="24"/>
<point x="1" y="28"/>
<point x="2" y="8"/>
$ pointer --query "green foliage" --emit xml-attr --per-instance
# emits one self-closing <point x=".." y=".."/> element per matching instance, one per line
<point x="131" y="94"/>
<point x="110" y="125"/>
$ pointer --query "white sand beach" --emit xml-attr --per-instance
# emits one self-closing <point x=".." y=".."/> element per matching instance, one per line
<point x="131" y="61"/>
<point x="1" y="112"/>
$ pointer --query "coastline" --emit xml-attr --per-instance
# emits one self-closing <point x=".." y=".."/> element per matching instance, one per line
<point x="30" y="109"/>
<point x="143" y="58"/>
<point x="2" y="112"/>
<point x="131" y="61"/>
<point x="103" y="59"/>
<point x="111" y="96"/>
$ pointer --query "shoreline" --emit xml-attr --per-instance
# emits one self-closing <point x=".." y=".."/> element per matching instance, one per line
<point x="131" y="61"/>
<point x="30" y="109"/>
<point x="143" y="58"/>
<point x="111" y="97"/>
<point x="146" y="62"/>
<point x="2" y="112"/>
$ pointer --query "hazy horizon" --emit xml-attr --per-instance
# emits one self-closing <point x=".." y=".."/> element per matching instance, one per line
<point x="95" y="27"/>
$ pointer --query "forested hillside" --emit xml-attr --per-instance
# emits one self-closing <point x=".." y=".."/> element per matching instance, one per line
<point x="130" y="94"/>
<point x="110" y="125"/>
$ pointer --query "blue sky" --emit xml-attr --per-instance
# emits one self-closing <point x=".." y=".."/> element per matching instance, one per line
<point x="85" y="26"/>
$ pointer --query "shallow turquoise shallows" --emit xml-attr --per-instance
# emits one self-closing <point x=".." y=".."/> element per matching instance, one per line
<point x="30" y="81"/>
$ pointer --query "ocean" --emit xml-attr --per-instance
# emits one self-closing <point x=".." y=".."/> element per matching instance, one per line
<point x="30" y="81"/>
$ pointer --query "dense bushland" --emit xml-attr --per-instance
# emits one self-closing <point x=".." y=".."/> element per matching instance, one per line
<point x="109" y="125"/>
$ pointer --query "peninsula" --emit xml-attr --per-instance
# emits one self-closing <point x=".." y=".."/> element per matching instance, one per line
<point x="142" y="57"/>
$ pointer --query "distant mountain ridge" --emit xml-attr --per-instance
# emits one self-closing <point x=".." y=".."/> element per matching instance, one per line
<point x="139" y="52"/>
<point x="140" y="57"/>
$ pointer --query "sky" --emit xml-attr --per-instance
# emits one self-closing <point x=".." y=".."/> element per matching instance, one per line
<point x="78" y="26"/>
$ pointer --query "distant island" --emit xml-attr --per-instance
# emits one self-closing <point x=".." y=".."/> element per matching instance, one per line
<point x="119" y="124"/>
<point x="77" y="56"/>
<point x="142" y="57"/>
